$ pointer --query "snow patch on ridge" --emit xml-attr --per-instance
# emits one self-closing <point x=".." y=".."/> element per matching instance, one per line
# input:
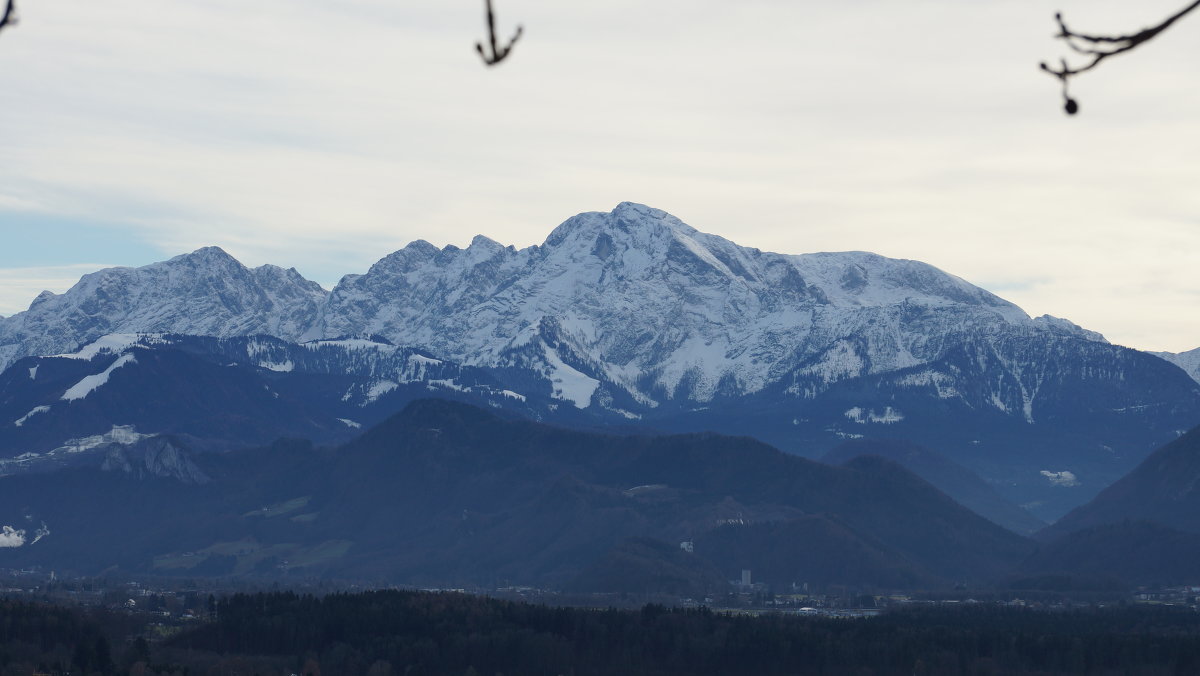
<point x="119" y="434"/>
<point x="91" y="383"/>
<point x="378" y="389"/>
<point x="113" y="342"/>
<point x="840" y="362"/>
<point x="1064" y="478"/>
<point x="27" y="416"/>
<point x="889" y="416"/>
<point x="40" y="533"/>
<point x="11" y="538"/>
<point x="998" y="402"/>
<point x="449" y="384"/>
<point x="568" y="383"/>
<point x="701" y="252"/>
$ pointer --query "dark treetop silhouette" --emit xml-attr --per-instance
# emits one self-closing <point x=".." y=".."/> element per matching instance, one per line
<point x="1097" y="47"/>
<point x="10" y="16"/>
<point x="498" y="52"/>
<point x="1100" y="47"/>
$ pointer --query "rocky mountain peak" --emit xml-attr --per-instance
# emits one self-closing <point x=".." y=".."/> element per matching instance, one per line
<point x="212" y="255"/>
<point x="651" y="235"/>
<point x="484" y="243"/>
<point x="206" y="292"/>
<point x="414" y="254"/>
<point x="43" y="297"/>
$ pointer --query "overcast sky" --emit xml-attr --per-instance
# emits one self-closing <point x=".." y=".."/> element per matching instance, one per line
<point x="324" y="135"/>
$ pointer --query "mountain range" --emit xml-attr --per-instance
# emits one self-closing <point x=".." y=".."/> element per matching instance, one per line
<point x="445" y="493"/>
<point x="626" y="319"/>
<point x="448" y="494"/>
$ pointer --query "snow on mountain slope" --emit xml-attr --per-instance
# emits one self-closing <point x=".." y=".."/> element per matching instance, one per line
<point x="638" y="298"/>
<point x="1188" y="361"/>
<point x="206" y="292"/>
<point x="94" y="382"/>
<point x="622" y="309"/>
<point x="237" y="390"/>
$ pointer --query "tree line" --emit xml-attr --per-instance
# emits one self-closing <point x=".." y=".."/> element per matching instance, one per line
<point x="430" y="634"/>
<point x="389" y="633"/>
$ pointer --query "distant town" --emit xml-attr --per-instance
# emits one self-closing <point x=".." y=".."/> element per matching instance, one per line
<point x="171" y="604"/>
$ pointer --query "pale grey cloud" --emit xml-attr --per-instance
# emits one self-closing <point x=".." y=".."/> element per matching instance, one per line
<point x="324" y="135"/>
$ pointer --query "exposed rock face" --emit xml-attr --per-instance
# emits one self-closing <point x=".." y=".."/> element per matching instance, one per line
<point x="155" y="456"/>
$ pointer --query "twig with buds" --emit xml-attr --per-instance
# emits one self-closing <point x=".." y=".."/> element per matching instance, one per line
<point x="1100" y="47"/>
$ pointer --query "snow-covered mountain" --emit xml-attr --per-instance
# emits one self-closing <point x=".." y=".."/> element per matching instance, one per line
<point x="638" y="299"/>
<point x="634" y="297"/>
<point x="1188" y="361"/>
<point x="629" y="317"/>
<point x="206" y="292"/>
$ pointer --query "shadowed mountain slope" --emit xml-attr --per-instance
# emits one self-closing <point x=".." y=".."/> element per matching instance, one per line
<point x="1164" y="489"/>
<point x="948" y="476"/>
<point x="448" y="494"/>
<point x="1136" y="552"/>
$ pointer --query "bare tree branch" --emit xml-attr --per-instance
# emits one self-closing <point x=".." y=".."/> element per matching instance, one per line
<point x="10" y="15"/>
<point x="1100" y="47"/>
<point x="498" y="53"/>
